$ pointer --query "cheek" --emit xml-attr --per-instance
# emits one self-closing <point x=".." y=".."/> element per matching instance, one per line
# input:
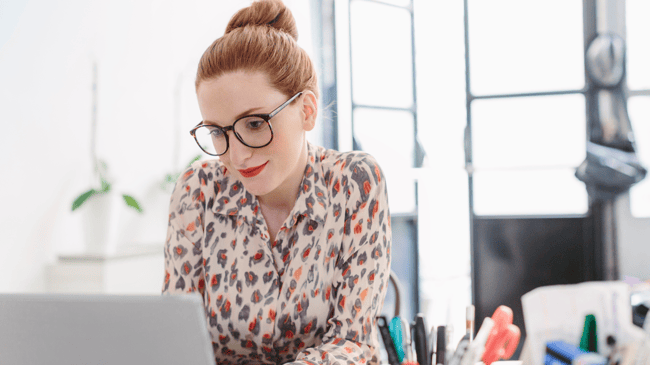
<point x="282" y="149"/>
<point x="287" y="138"/>
<point x="278" y="144"/>
<point x="225" y="160"/>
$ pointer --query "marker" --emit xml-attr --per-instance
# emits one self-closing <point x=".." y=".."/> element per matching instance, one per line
<point x="395" y="328"/>
<point x="420" y="340"/>
<point x="449" y="331"/>
<point x="589" y="339"/>
<point x="388" y="340"/>
<point x="441" y="345"/>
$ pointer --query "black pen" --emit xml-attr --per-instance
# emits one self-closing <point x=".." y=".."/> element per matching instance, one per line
<point x="389" y="345"/>
<point x="441" y="345"/>
<point x="420" y="340"/>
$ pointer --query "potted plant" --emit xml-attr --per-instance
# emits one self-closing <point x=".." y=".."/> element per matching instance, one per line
<point x="98" y="221"/>
<point x="105" y="189"/>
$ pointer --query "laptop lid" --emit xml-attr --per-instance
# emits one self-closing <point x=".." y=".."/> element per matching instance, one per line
<point x="103" y="329"/>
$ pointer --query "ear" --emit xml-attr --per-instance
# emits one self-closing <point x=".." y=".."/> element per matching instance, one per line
<point x="309" y="110"/>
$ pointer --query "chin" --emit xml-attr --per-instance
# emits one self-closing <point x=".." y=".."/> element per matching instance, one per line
<point x="260" y="187"/>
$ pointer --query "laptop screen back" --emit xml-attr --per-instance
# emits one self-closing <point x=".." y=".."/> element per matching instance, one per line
<point x="97" y="329"/>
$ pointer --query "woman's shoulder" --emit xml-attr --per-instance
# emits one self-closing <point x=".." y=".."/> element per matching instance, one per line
<point x="200" y="174"/>
<point x="350" y="163"/>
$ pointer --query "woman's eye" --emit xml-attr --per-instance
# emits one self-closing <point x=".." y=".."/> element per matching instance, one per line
<point x="254" y="124"/>
<point x="216" y="132"/>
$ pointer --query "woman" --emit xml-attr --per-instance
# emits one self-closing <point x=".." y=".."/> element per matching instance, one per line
<point x="288" y="243"/>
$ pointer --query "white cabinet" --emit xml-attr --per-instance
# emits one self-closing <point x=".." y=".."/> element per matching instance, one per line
<point x="131" y="270"/>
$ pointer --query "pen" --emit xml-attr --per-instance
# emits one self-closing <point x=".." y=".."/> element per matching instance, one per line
<point x="477" y="347"/>
<point x="420" y="340"/>
<point x="441" y="345"/>
<point x="395" y="328"/>
<point x="432" y="344"/>
<point x="460" y="350"/>
<point x="388" y="341"/>
<point x="449" y="350"/>
<point x="469" y="321"/>
<point x="408" y="349"/>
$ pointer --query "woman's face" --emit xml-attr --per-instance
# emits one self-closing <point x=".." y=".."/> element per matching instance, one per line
<point x="278" y="166"/>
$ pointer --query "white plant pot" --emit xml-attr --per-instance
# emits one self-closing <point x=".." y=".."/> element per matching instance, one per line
<point x="148" y="227"/>
<point x="99" y="224"/>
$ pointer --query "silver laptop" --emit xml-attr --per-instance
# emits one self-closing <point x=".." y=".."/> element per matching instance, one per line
<point x="103" y="329"/>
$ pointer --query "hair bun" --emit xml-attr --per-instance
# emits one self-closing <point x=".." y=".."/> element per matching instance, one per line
<point x="272" y="13"/>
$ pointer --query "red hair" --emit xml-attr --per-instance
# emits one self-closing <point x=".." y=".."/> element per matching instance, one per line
<point x="262" y="37"/>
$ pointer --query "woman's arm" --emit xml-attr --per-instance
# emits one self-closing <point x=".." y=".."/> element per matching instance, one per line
<point x="362" y="273"/>
<point x="183" y="247"/>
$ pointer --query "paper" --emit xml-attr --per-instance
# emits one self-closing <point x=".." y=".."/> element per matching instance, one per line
<point x="558" y="313"/>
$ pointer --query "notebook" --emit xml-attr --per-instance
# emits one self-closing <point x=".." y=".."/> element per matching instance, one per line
<point x="103" y="329"/>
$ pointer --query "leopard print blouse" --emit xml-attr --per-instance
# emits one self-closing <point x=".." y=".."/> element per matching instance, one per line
<point x="309" y="297"/>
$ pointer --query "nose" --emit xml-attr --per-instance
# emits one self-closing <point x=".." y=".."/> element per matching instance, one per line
<point x="238" y="151"/>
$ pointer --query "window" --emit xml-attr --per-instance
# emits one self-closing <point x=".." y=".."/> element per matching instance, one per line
<point x="521" y="97"/>
<point x="380" y="111"/>
<point x="638" y="82"/>
<point x="527" y="113"/>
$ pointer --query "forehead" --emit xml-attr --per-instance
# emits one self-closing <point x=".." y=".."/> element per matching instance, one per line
<point x="229" y="95"/>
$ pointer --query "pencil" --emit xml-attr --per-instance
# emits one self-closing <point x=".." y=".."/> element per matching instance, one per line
<point x="469" y="321"/>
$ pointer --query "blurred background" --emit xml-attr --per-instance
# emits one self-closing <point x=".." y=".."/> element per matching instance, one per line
<point x="479" y="112"/>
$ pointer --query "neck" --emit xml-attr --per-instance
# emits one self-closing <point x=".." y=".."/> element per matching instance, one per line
<point x="284" y="196"/>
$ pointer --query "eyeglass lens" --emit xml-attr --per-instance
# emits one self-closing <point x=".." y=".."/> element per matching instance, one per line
<point x="253" y="131"/>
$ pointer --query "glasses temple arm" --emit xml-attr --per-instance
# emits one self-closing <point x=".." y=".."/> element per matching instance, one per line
<point x="278" y="109"/>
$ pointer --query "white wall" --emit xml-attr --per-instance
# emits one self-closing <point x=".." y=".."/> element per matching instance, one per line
<point x="146" y="53"/>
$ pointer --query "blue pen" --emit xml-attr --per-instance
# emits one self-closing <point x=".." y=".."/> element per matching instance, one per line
<point x="395" y="328"/>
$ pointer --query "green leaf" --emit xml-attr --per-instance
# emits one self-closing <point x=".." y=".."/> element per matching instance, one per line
<point x="196" y="158"/>
<point x="171" y="178"/>
<point x="82" y="198"/>
<point x="106" y="186"/>
<point x="130" y="201"/>
<point x="101" y="167"/>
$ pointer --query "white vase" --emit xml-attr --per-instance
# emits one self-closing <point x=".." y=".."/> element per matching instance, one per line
<point x="99" y="224"/>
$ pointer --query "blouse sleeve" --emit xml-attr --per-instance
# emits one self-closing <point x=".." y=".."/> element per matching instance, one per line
<point x="362" y="272"/>
<point x="183" y="248"/>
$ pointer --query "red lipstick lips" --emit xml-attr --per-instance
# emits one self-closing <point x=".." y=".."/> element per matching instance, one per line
<point x="253" y="171"/>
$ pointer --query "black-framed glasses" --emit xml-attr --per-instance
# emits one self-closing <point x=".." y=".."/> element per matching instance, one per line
<point x="254" y="131"/>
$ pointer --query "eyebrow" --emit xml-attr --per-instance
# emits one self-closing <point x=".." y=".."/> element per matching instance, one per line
<point x="240" y="115"/>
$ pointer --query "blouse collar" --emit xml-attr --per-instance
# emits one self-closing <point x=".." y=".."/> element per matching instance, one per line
<point x="232" y="199"/>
